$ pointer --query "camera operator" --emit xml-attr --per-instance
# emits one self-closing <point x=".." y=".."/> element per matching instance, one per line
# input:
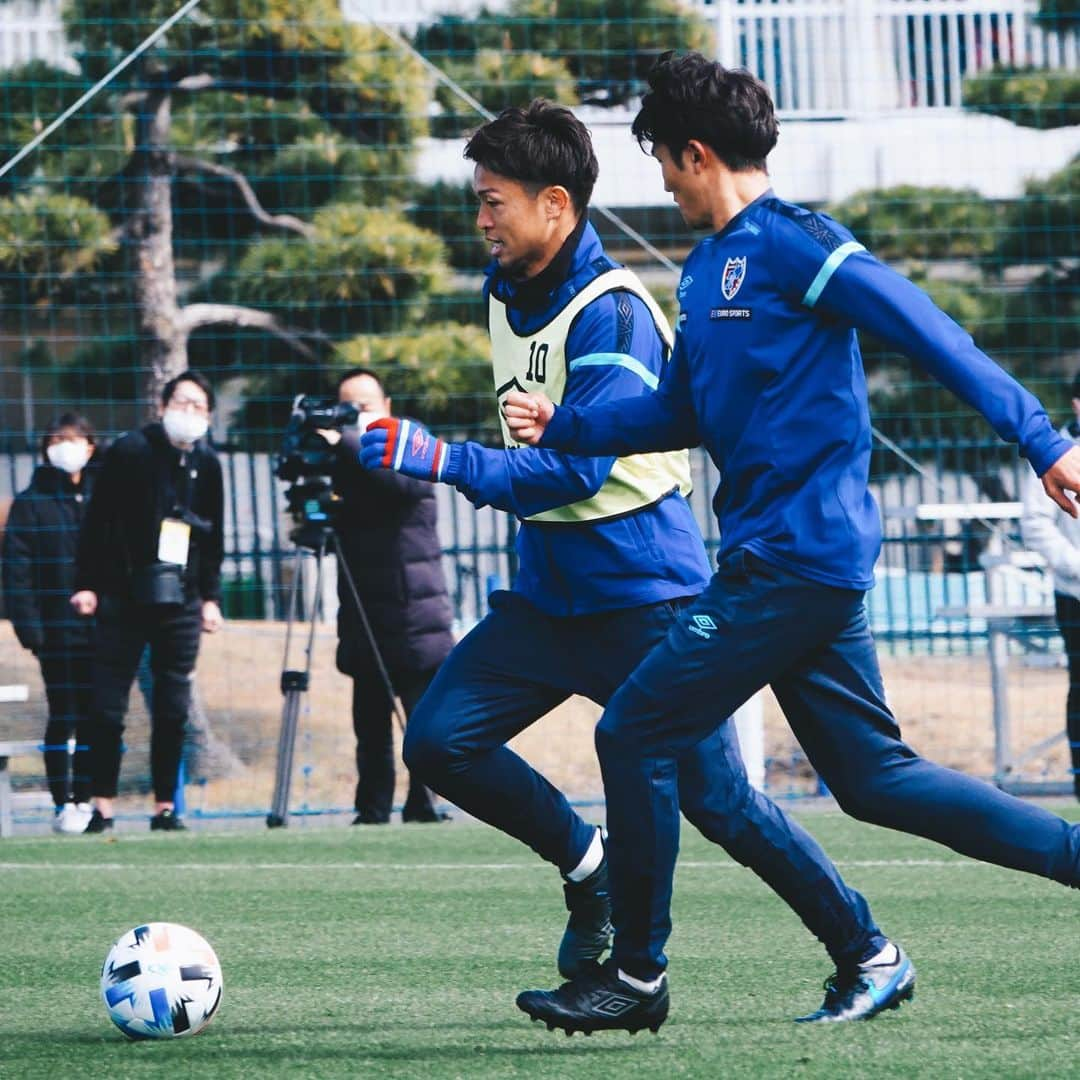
<point x="386" y="526"/>
<point x="149" y="566"/>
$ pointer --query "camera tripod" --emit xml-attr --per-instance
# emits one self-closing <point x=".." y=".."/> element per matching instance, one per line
<point x="319" y="538"/>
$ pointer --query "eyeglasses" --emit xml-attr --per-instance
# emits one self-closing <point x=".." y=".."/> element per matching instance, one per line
<point x="181" y="401"/>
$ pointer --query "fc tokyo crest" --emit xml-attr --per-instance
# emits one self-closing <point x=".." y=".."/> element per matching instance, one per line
<point x="732" y="279"/>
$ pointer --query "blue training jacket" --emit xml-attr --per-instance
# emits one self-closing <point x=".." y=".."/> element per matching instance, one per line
<point x="644" y="557"/>
<point x="766" y="372"/>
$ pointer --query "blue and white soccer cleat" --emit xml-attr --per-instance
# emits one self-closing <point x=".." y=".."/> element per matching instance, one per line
<point x="881" y="983"/>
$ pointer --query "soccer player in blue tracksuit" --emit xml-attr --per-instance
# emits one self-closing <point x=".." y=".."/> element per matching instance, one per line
<point x="610" y="555"/>
<point x="766" y="372"/>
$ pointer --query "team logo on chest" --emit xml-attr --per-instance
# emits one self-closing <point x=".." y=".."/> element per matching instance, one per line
<point x="732" y="278"/>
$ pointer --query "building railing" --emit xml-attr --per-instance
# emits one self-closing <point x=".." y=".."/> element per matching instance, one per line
<point x="820" y="58"/>
<point x="34" y="30"/>
<point x="854" y="57"/>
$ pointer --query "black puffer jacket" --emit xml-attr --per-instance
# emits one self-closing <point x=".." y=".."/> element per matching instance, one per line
<point x="387" y="528"/>
<point x="138" y="486"/>
<point x="40" y="542"/>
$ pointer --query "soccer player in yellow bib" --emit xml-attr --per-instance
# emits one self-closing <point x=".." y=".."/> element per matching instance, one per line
<point x="609" y="556"/>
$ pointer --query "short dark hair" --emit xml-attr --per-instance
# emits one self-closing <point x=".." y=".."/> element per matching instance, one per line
<point x="1075" y="391"/>
<point x="355" y="373"/>
<point x="69" y="421"/>
<point x="539" y="145"/>
<point x="191" y="376"/>
<point x="691" y="97"/>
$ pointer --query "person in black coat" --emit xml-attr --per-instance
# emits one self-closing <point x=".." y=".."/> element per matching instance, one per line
<point x="40" y="542"/>
<point x="149" y="566"/>
<point x="386" y="524"/>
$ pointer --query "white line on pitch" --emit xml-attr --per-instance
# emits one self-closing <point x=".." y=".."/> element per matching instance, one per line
<point x="416" y="867"/>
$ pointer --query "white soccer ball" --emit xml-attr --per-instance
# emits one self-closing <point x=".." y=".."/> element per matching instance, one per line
<point x="161" y="981"/>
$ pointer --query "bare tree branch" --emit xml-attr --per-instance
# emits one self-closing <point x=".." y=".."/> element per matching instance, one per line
<point x="184" y="84"/>
<point x="195" y="82"/>
<point x="276" y="221"/>
<point x="193" y="316"/>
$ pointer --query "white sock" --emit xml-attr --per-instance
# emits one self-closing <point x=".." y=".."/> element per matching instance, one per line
<point x="640" y="985"/>
<point x="888" y="955"/>
<point x="592" y="858"/>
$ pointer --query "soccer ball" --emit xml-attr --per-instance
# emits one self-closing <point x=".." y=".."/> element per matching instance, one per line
<point x="161" y="981"/>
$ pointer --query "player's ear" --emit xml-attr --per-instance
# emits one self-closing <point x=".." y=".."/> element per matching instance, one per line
<point x="558" y="200"/>
<point x="695" y="153"/>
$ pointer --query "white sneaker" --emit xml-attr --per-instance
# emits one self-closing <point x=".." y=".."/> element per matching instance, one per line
<point x="59" y="817"/>
<point x="76" y="816"/>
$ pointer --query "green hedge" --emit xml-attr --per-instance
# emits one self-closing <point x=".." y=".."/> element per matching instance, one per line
<point x="908" y="222"/>
<point x="1030" y="97"/>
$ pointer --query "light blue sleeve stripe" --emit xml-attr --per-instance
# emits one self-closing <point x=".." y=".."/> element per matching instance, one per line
<point x="403" y="441"/>
<point x="828" y="268"/>
<point x="611" y="359"/>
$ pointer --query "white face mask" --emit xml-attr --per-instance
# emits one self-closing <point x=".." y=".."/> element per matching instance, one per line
<point x="71" y="455"/>
<point x="184" y="427"/>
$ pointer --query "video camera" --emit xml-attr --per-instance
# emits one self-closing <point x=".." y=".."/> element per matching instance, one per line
<point x="304" y="452"/>
<point x="307" y="460"/>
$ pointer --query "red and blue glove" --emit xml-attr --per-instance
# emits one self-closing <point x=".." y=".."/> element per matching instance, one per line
<point x="405" y="447"/>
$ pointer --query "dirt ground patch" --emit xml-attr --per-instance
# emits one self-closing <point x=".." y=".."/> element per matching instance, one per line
<point x="943" y="703"/>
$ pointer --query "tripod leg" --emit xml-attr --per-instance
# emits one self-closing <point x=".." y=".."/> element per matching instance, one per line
<point x="279" y="810"/>
<point x="293" y="685"/>
<point x="343" y="569"/>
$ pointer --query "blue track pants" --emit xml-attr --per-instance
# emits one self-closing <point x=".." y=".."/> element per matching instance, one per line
<point x="519" y="663"/>
<point x="756" y="625"/>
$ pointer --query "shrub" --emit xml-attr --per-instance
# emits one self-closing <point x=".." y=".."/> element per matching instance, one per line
<point x="1030" y="97"/>
<point x="909" y="222"/>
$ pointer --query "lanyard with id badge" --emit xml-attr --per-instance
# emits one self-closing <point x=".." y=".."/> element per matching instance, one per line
<point x="174" y="541"/>
<point x="162" y="582"/>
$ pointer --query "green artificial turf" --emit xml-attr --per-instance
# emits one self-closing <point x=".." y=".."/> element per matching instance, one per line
<point x="370" y="952"/>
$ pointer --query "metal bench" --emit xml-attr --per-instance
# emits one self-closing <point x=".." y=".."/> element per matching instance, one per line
<point x="9" y="750"/>
<point x="1003" y="620"/>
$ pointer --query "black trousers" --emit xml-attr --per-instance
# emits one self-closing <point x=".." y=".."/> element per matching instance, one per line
<point x="373" y="723"/>
<point x="123" y="630"/>
<point x="1068" y="620"/>
<point x="68" y="691"/>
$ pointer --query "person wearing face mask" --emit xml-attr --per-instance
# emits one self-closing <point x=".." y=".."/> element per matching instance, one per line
<point x="386" y="525"/>
<point x="40" y="542"/>
<point x="149" y="567"/>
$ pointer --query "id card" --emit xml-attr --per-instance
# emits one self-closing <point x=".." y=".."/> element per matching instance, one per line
<point x="174" y="541"/>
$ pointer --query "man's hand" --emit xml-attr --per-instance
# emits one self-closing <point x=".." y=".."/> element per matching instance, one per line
<point x="527" y="415"/>
<point x="405" y="447"/>
<point x="84" y="602"/>
<point x="1064" y="476"/>
<point x="212" y="619"/>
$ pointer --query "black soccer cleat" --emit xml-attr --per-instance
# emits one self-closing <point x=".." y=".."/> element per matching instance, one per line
<point x="98" y="824"/>
<point x="597" y="1001"/>
<point x="869" y="989"/>
<point x="167" y="821"/>
<point x="588" y="930"/>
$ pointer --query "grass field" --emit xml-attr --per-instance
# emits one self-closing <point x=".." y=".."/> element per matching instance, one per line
<point x="398" y="952"/>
